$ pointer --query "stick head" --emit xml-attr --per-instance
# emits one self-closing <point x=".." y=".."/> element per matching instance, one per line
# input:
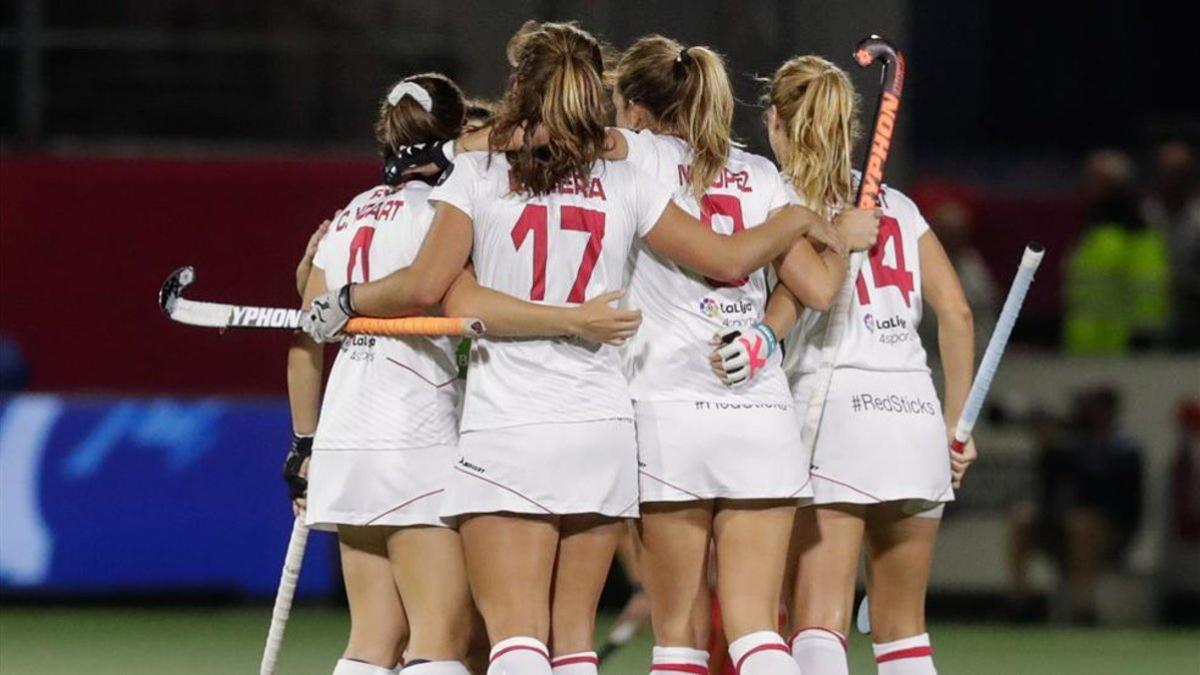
<point x="173" y="287"/>
<point x="874" y="47"/>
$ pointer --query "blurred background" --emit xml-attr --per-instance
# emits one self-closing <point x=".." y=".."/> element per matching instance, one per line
<point x="142" y="519"/>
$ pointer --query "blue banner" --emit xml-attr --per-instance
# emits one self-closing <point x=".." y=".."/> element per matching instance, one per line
<point x="118" y="495"/>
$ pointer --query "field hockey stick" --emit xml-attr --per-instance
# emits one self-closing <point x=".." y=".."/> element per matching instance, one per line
<point x="223" y="316"/>
<point x="283" y="597"/>
<point x="1030" y="261"/>
<point x="620" y="635"/>
<point x="870" y="50"/>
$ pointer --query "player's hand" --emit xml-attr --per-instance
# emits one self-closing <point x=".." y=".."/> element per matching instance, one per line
<point x="961" y="461"/>
<point x="859" y="227"/>
<point x="295" y="471"/>
<point x="304" y="269"/>
<point x="598" y="321"/>
<point x="742" y="352"/>
<point x="328" y="315"/>
<point x="825" y="234"/>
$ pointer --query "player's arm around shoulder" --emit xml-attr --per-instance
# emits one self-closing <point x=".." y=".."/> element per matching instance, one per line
<point x="596" y="320"/>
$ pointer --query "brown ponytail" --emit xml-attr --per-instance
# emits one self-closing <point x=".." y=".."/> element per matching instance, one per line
<point x="406" y="121"/>
<point x="557" y="84"/>
<point x="688" y="92"/>
<point x="817" y="107"/>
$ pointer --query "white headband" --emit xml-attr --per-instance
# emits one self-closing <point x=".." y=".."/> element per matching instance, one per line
<point x="414" y="91"/>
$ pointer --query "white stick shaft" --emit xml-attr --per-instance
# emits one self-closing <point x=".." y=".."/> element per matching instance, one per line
<point x="835" y="328"/>
<point x="997" y="343"/>
<point x="283" y="598"/>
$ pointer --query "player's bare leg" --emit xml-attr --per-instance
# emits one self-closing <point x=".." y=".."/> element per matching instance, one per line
<point x="510" y="562"/>
<point x="428" y="566"/>
<point x="828" y="543"/>
<point x="899" y="555"/>
<point x="378" y="627"/>
<point x="752" y="538"/>
<point x="674" y="539"/>
<point x="585" y="553"/>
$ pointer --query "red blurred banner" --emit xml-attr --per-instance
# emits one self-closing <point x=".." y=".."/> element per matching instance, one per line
<point x="85" y="243"/>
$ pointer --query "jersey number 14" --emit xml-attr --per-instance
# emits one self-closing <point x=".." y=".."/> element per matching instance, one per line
<point x="898" y="276"/>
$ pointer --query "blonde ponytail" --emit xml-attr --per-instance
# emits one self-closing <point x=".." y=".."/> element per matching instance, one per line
<point x="687" y="90"/>
<point x="817" y="106"/>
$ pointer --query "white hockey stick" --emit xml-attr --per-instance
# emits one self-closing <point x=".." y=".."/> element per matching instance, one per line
<point x="1030" y="261"/>
<point x="283" y="597"/>
<point x="220" y="315"/>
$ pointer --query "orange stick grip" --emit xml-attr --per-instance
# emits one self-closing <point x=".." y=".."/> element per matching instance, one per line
<point x="415" y="325"/>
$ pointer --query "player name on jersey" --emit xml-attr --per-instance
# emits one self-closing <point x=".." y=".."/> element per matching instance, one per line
<point x="726" y="179"/>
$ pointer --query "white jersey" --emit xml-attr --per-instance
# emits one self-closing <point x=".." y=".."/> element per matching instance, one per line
<point x="560" y="248"/>
<point x="667" y="360"/>
<point x="385" y="393"/>
<point x="885" y="307"/>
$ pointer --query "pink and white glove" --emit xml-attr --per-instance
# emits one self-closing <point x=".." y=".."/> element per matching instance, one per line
<point x="742" y="352"/>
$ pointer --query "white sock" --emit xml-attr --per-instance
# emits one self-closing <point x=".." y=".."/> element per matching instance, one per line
<point x="352" y="667"/>
<point x="762" y="653"/>
<point x="679" y="660"/>
<point x="436" y="668"/>
<point x="820" y="651"/>
<point x="909" y="656"/>
<point x="519" y="656"/>
<point x="580" y="663"/>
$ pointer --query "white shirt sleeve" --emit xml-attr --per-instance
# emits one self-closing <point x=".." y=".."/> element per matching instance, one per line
<point x="650" y="199"/>
<point x="643" y="152"/>
<point x="458" y="187"/>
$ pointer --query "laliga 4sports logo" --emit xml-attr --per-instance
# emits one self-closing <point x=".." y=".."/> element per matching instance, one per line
<point x="891" y="323"/>
<point x="736" y="310"/>
<point x="893" y="330"/>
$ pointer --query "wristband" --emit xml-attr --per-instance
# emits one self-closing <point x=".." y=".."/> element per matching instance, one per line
<point x="772" y="339"/>
<point x="302" y="444"/>
<point x="345" y="301"/>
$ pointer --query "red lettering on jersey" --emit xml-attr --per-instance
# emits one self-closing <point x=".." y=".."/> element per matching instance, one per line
<point x="731" y="180"/>
<point x="379" y="210"/>
<point x="574" y="185"/>
<point x="596" y="190"/>
<point x="898" y="276"/>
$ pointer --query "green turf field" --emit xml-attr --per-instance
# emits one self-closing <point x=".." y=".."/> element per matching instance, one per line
<point x="114" y="641"/>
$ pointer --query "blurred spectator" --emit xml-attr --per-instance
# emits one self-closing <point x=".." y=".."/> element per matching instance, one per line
<point x="1173" y="209"/>
<point x="950" y="210"/>
<point x="1088" y="507"/>
<point x="1116" y="276"/>
<point x="1181" y="561"/>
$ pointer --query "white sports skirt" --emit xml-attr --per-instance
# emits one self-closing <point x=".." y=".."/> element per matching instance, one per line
<point x="881" y="439"/>
<point x="397" y="488"/>
<point x="557" y="468"/>
<point x="693" y="450"/>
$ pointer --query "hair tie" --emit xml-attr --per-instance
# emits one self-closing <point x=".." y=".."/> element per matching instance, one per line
<point x="681" y="61"/>
<point x="412" y="90"/>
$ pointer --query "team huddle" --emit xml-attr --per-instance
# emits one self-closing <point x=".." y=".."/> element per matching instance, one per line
<point x="655" y="300"/>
